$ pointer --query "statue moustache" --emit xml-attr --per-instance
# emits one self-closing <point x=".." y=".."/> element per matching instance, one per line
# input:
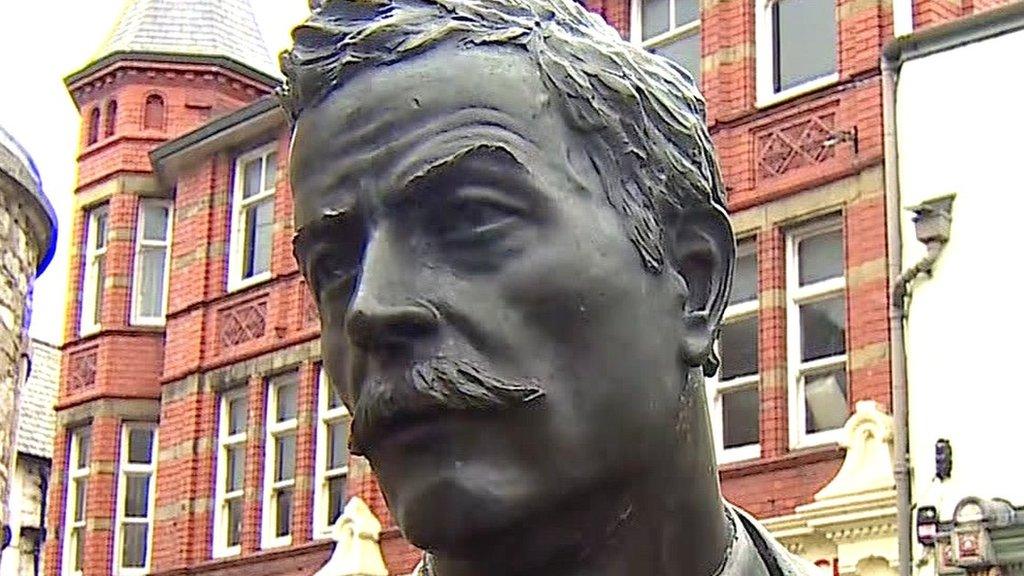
<point x="431" y="389"/>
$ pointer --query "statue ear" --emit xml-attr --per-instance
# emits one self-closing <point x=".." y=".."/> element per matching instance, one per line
<point x="701" y="250"/>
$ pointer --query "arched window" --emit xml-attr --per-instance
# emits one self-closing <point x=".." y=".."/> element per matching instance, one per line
<point x="153" y="118"/>
<point x="111" y="120"/>
<point x="94" y="126"/>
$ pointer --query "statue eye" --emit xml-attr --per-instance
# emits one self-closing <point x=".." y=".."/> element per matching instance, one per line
<point x="475" y="217"/>
<point x="480" y="215"/>
<point x="333" y="271"/>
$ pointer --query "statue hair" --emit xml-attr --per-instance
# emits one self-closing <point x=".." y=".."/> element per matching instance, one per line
<point x="650" y="144"/>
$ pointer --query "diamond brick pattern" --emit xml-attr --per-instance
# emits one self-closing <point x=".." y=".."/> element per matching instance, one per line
<point x="795" y="145"/>
<point x="243" y="323"/>
<point x="82" y="370"/>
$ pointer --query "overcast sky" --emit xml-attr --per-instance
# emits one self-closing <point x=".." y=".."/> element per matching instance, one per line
<point x="40" y="44"/>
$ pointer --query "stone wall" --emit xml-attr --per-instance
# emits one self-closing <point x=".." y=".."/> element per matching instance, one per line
<point x="17" y="270"/>
<point x="27" y="231"/>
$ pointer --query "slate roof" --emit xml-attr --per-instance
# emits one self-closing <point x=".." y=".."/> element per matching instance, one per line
<point x="191" y="27"/>
<point x="37" y="419"/>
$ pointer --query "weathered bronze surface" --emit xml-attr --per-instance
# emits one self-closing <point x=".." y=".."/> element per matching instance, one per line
<point x="513" y="224"/>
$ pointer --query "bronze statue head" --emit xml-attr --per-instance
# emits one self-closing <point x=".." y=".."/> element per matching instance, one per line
<point x="513" y="224"/>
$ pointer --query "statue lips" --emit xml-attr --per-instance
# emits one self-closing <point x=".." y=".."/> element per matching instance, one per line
<point x="397" y="427"/>
<point x="413" y="408"/>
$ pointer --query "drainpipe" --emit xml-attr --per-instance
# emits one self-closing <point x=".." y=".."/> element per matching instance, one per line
<point x="897" y="313"/>
<point x="44" y="491"/>
<point x="932" y="223"/>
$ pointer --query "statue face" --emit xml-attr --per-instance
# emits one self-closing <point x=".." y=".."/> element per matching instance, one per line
<point x="452" y="214"/>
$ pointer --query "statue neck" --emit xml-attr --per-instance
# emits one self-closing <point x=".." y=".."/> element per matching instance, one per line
<point x="666" y="541"/>
<point x="670" y="521"/>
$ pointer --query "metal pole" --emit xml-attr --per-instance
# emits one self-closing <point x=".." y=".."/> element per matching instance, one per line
<point x="897" y="349"/>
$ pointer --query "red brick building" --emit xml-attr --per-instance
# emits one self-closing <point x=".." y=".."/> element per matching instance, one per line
<point x="195" y="434"/>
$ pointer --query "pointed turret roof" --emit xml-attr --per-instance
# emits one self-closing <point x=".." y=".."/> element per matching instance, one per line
<point x="224" y="28"/>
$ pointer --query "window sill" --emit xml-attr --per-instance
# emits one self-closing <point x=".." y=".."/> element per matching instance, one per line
<point x="100" y="142"/>
<point x="261" y="558"/>
<point x="226" y="552"/>
<point x="766" y="100"/>
<point x="739" y="454"/>
<point x="670" y="35"/>
<point x="816" y="439"/>
<point x="86" y="331"/>
<point x="242" y="284"/>
<point x="276" y="542"/>
<point x="148" y="322"/>
<point x="783" y="461"/>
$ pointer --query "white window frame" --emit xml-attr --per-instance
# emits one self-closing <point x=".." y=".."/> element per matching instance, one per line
<point x="270" y="485"/>
<point x="225" y="440"/>
<point x="75" y="476"/>
<point x="126" y="469"/>
<point x="673" y="33"/>
<point x="325" y="416"/>
<point x="796" y="296"/>
<point x="717" y="387"/>
<point x="764" y="40"/>
<point x="142" y="244"/>
<point x="91" y="284"/>
<point x="236" y="253"/>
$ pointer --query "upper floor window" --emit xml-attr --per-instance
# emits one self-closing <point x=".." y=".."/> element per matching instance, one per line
<point x="331" y="457"/>
<point x="79" y="449"/>
<point x="93" y="134"/>
<point x="279" y="474"/>
<point x="95" y="256"/>
<point x="110" y="119"/>
<point x="735" y="400"/>
<point x="670" y="28"/>
<point x="230" y="488"/>
<point x="153" y="113"/>
<point x="136" y="496"/>
<point x="252" y="217"/>
<point x="797" y="47"/>
<point x="816" y="333"/>
<point x="152" y="246"/>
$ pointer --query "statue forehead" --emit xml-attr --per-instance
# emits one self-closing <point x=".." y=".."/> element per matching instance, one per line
<point x="445" y="77"/>
<point x="430" y="96"/>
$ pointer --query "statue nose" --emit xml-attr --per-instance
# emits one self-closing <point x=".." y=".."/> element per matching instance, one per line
<point x="371" y="325"/>
<point x="387" y="309"/>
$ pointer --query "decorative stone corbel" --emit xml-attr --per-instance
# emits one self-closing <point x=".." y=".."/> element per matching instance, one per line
<point x="357" y="548"/>
<point x="853" y="518"/>
<point x="867" y="467"/>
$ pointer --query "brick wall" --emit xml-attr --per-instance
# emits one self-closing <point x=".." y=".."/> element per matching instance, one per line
<point x="185" y="475"/>
<point x="55" y="510"/>
<point x="123" y="361"/>
<point x="929" y="13"/>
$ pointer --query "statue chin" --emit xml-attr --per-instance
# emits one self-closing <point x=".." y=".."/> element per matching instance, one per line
<point x="450" y="516"/>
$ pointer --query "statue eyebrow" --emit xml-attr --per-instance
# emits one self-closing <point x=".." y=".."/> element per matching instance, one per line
<point x="315" y="239"/>
<point x="467" y="161"/>
<point x="316" y="231"/>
